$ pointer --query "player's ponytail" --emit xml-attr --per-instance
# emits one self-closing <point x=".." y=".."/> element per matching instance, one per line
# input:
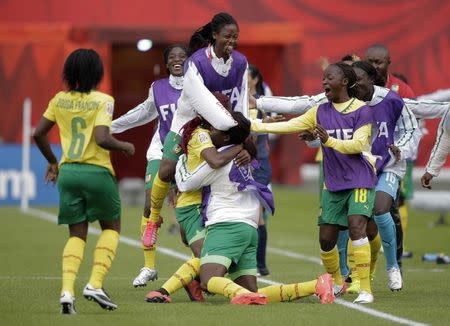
<point x="204" y="35"/>
<point x="187" y="131"/>
<point x="200" y="39"/>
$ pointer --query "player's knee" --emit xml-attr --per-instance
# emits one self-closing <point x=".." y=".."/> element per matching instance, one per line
<point x="380" y="210"/>
<point x="326" y="244"/>
<point x="167" y="171"/>
<point x="356" y="233"/>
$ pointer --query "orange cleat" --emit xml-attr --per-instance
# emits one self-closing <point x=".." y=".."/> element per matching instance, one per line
<point x="194" y="291"/>
<point x="250" y="299"/>
<point x="324" y="289"/>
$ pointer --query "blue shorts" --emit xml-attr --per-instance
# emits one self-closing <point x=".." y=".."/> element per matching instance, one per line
<point x="388" y="182"/>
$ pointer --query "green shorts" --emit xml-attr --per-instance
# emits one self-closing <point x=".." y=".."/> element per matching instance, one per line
<point x="150" y="173"/>
<point x="87" y="193"/>
<point x="190" y="220"/>
<point x="406" y="184"/>
<point x="232" y="245"/>
<point x="338" y="205"/>
<point x="172" y="148"/>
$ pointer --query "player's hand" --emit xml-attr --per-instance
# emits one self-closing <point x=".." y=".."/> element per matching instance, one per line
<point x="52" y="173"/>
<point x="426" y="180"/>
<point x="306" y="136"/>
<point x="251" y="102"/>
<point x="243" y="158"/>
<point x="320" y="132"/>
<point x="276" y="118"/>
<point x="396" y="151"/>
<point x="128" y="148"/>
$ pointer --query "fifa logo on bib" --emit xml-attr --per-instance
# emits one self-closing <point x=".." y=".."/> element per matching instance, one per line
<point x="342" y="134"/>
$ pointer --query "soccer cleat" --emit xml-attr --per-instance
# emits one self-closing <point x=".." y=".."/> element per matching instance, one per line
<point x="150" y="234"/>
<point x="339" y="289"/>
<point x="157" y="297"/>
<point x="364" y="297"/>
<point x="324" y="288"/>
<point x="250" y="299"/>
<point x="100" y="296"/>
<point x="146" y="274"/>
<point x="194" y="291"/>
<point x="395" y="281"/>
<point x="67" y="302"/>
<point x="354" y="287"/>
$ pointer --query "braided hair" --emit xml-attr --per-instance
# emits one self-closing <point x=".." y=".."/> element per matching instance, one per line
<point x="83" y="70"/>
<point x="203" y="36"/>
<point x="348" y="73"/>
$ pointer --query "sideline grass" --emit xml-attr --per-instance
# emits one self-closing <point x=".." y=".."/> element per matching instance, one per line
<point x="30" y="276"/>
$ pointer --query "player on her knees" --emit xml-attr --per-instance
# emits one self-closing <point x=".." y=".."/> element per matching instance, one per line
<point x="199" y="148"/>
<point x="231" y="205"/>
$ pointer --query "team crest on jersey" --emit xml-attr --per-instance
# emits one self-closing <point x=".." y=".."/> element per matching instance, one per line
<point x="148" y="177"/>
<point x="177" y="149"/>
<point x="203" y="137"/>
<point x="110" y="108"/>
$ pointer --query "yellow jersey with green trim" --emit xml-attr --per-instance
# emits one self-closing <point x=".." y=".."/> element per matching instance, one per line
<point x="200" y="140"/>
<point x="77" y="114"/>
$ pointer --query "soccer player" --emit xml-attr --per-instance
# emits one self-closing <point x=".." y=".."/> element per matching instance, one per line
<point x="397" y="138"/>
<point x="161" y="104"/>
<point x="378" y="55"/>
<point x="85" y="178"/>
<point x="344" y="126"/>
<point x="196" y="141"/>
<point x="440" y="151"/>
<point x="231" y="199"/>
<point x="214" y="66"/>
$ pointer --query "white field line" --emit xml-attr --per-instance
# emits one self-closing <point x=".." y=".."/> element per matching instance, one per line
<point x="172" y="253"/>
<point x="52" y="278"/>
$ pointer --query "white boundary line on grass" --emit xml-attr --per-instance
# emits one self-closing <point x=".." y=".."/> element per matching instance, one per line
<point x="172" y="253"/>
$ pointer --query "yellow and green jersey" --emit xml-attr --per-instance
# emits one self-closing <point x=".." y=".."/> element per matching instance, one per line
<point x="200" y="140"/>
<point x="77" y="114"/>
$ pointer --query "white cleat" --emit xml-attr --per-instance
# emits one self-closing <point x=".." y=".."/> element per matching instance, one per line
<point x="146" y="274"/>
<point x="67" y="302"/>
<point x="395" y="282"/>
<point x="364" y="297"/>
<point x="100" y="296"/>
<point x="339" y="290"/>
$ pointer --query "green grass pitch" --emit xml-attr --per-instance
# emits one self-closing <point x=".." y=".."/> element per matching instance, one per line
<point x="30" y="276"/>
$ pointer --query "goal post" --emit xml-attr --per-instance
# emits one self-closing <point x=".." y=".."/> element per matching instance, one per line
<point x="26" y="148"/>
